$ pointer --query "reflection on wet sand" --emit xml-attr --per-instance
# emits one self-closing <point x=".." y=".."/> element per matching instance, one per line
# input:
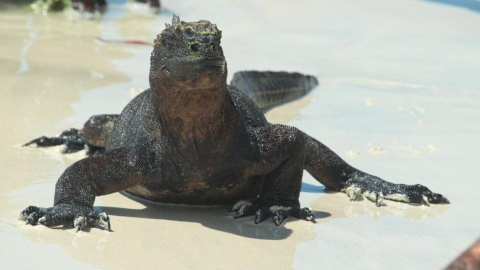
<point x="213" y="217"/>
<point x="46" y="62"/>
<point x="340" y="206"/>
<point x="289" y="111"/>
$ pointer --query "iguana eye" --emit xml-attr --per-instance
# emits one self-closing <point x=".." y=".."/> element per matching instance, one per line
<point x="212" y="47"/>
<point x="194" y="47"/>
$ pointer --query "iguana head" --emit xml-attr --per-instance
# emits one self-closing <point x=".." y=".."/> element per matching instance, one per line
<point x="188" y="55"/>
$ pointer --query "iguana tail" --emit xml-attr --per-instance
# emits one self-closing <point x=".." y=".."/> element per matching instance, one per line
<point x="268" y="89"/>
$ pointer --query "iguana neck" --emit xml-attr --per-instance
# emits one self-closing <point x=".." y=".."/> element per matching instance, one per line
<point x="197" y="122"/>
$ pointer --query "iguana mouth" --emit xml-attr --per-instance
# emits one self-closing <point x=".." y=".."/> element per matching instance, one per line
<point x="195" y="61"/>
<point x="186" y="67"/>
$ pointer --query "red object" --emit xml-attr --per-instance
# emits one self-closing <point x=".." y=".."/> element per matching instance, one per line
<point x="134" y="42"/>
<point x="468" y="260"/>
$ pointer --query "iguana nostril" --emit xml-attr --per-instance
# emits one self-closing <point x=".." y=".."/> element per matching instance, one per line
<point x="194" y="47"/>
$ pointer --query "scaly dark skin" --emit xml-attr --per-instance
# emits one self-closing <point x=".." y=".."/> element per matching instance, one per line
<point x="193" y="139"/>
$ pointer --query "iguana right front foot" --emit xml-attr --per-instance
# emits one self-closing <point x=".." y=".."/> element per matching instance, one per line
<point x="376" y="190"/>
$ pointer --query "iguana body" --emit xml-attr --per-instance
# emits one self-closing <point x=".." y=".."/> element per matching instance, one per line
<point x="193" y="139"/>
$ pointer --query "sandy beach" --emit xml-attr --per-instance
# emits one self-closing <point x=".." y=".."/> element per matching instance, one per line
<point x="399" y="97"/>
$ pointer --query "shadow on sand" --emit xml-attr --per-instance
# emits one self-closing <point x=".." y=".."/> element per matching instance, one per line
<point x="213" y="217"/>
<point x="312" y="188"/>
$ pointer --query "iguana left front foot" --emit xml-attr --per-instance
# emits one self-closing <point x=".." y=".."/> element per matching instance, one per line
<point x="376" y="190"/>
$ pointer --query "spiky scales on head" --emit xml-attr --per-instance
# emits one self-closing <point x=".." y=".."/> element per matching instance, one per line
<point x="182" y="39"/>
<point x="187" y="58"/>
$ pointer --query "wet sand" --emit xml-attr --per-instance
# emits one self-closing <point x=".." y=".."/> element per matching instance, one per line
<point x="391" y="102"/>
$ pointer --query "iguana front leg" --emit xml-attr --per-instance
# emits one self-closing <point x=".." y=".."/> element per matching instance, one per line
<point x="330" y="170"/>
<point x="281" y="156"/>
<point x="77" y="187"/>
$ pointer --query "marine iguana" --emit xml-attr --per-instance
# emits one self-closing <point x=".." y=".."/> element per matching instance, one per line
<point x="193" y="139"/>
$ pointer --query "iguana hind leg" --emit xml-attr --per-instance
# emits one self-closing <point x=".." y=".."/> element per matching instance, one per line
<point x="98" y="129"/>
<point x="72" y="140"/>
<point x="93" y="137"/>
